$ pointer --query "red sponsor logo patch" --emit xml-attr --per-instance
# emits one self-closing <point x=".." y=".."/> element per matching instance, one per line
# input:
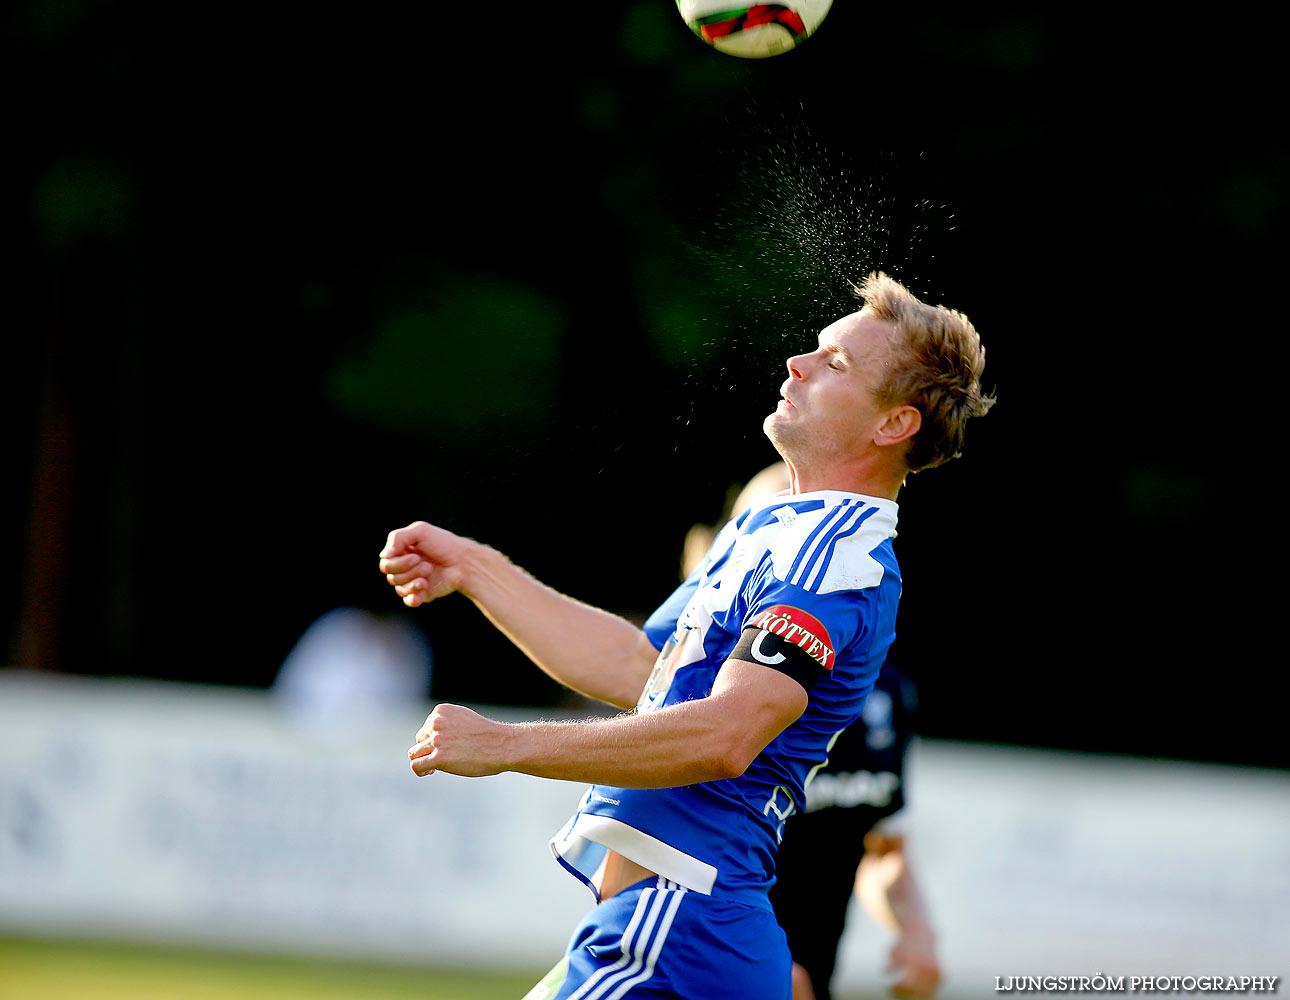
<point x="802" y="630"/>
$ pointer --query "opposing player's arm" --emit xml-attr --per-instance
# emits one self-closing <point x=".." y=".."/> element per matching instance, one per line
<point x="705" y="739"/>
<point x="888" y="890"/>
<point x="589" y="650"/>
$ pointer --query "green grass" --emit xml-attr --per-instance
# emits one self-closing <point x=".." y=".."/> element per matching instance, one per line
<point x="70" y="970"/>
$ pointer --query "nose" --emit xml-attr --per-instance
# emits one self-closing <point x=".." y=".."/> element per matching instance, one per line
<point x="797" y="366"/>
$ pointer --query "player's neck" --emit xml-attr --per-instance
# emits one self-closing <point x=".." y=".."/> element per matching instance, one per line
<point x="868" y="478"/>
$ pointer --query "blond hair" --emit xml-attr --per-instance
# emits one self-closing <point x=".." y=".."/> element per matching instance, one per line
<point x="936" y="366"/>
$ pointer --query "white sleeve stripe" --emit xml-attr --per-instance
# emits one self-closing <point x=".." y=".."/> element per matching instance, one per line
<point x="860" y="518"/>
<point x="797" y="574"/>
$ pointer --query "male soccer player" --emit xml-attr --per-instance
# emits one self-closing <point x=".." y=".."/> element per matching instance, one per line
<point x="853" y="830"/>
<point x="737" y="683"/>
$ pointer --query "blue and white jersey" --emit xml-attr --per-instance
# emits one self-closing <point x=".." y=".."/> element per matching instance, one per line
<point x="816" y="569"/>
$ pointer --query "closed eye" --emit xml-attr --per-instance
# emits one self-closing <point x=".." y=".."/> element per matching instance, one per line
<point x="835" y="354"/>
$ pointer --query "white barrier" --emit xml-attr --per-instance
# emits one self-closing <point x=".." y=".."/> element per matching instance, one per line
<point x="206" y="815"/>
<point x="1052" y="864"/>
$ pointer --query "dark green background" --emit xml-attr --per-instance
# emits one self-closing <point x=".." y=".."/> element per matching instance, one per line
<point x="283" y="279"/>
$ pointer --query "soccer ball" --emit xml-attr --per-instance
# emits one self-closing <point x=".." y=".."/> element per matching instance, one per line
<point x="753" y="31"/>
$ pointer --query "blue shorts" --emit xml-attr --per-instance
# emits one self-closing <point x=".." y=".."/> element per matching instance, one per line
<point x="656" y="940"/>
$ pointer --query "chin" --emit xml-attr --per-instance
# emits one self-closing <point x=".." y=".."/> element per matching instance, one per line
<point x="776" y="429"/>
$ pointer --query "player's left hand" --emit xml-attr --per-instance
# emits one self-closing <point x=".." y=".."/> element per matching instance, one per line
<point x="459" y="741"/>
<point x="913" y="962"/>
<point x="803" y="989"/>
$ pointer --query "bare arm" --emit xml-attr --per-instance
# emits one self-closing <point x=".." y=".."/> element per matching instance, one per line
<point x="701" y="740"/>
<point x="589" y="650"/>
<point x="886" y="886"/>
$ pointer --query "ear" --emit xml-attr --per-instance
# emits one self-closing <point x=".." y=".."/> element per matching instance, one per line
<point x="898" y="424"/>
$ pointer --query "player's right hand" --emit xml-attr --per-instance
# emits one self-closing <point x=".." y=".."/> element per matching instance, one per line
<point x="460" y="741"/>
<point x="422" y="562"/>
<point x="913" y="964"/>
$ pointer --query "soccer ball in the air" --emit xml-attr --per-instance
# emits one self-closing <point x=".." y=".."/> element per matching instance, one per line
<point x="753" y="31"/>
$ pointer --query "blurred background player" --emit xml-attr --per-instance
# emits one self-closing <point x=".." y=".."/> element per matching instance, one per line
<point x="852" y="832"/>
<point x="353" y="664"/>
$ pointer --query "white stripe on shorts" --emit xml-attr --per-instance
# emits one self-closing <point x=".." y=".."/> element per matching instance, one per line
<point x="636" y="964"/>
<point x="659" y="938"/>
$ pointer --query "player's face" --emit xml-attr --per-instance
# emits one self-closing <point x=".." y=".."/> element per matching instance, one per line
<point x="828" y="406"/>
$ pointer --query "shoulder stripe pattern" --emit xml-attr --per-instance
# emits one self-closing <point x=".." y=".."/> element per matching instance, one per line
<point x="854" y="521"/>
<point x="814" y="558"/>
<point x="810" y="548"/>
<point x="642" y="942"/>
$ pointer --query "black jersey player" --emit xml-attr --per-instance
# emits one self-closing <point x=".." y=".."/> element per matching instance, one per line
<point x="852" y="834"/>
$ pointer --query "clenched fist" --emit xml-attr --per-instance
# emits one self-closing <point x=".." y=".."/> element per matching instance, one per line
<point x="423" y="563"/>
<point x="460" y="741"/>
